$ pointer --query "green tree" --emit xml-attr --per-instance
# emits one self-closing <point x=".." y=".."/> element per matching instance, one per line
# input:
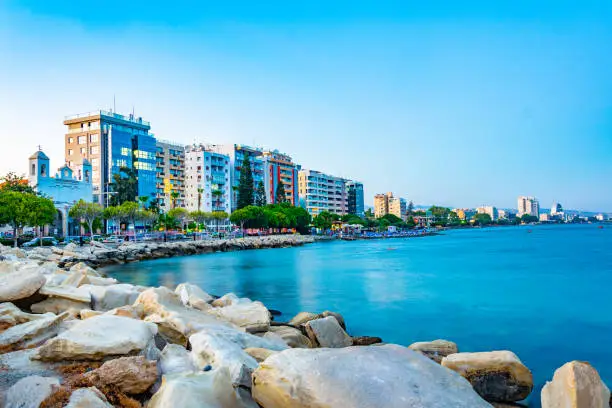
<point x="125" y="185"/>
<point x="200" y="191"/>
<point x="280" y="196"/>
<point x="200" y="217"/>
<point x="13" y="182"/>
<point x="245" y="184"/>
<point x="87" y="212"/>
<point x="369" y="213"/>
<point x="324" y="220"/>
<point x="113" y="214"/>
<point x="216" y="198"/>
<point x="19" y="209"/>
<point x="219" y="216"/>
<point x="129" y="213"/>
<point x="528" y="219"/>
<point x="42" y="213"/>
<point x="482" y="219"/>
<point x="410" y="208"/>
<point x="392" y="218"/>
<point x="241" y="217"/>
<point x="143" y="200"/>
<point x="174" y="196"/>
<point x="260" y="195"/>
<point x="180" y="215"/>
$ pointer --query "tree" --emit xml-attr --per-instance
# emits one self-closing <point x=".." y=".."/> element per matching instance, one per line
<point x="200" y="217"/>
<point x="482" y="219"/>
<point x="200" y="191"/>
<point x="528" y="219"/>
<point x="324" y="220"/>
<point x="143" y="200"/>
<point x="392" y="218"/>
<point x="125" y="185"/>
<point x="410" y="208"/>
<point x="219" y="216"/>
<point x="112" y="213"/>
<point x="19" y="209"/>
<point x="146" y="217"/>
<point x="280" y="196"/>
<point x="260" y="195"/>
<point x="245" y="184"/>
<point x="241" y="217"/>
<point x="174" y="196"/>
<point x="128" y="212"/>
<point x="42" y="213"/>
<point x="13" y="182"/>
<point x="369" y="213"/>
<point x="87" y="212"/>
<point x="216" y="201"/>
<point x="179" y="214"/>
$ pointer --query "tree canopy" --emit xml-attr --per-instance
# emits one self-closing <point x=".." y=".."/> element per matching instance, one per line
<point x="20" y="209"/>
<point x="260" y="195"/>
<point x="13" y="182"/>
<point x="482" y="219"/>
<point x="245" y="184"/>
<point x="87" y="212"/>
<point x="124" y="185"/>
<point x="280" y="196"/>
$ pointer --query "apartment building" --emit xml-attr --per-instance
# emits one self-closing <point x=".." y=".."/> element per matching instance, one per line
<point x="528" y="205"/>
<point x="355" y="198"/>
<point x="111" y="141"/>
<point x="208" y="184"/>
<point x="397" y="206"/>
<point x="381" y="205"/>
<point x="170" y="164"/>
<point x="488" y="209"/>
<point x="280" y="168"/>
<point x="320" y="192"/>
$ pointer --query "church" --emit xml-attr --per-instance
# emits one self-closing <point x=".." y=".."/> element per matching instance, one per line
<point x="64" y="188"/>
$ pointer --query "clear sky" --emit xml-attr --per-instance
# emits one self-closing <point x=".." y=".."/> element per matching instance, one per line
<point x="459" y="103"/>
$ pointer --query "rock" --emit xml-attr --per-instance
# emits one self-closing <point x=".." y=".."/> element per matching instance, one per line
<point x="258" y="353"/>
<point x="575" y="385"/>
<point x="211" y="389"/>
<point x="88" y="398"/>
<point x="29" y="392"/>
<point x="30" y="334"/>
<point x="11" y="315"/>
<point x="87" y="313"/>
<point x="112" y="296"/>
<point x="293" y="337"/>
<point x="221" y="346"/>
<point x="94" y="280"/>
<point x="252" y="316"/>
<point x="225" y="300"/>
<point x="84" y="268"/>
<point x="496" y="375"/>
<point x="192" y="295"/>
<point x="366" y="340"/>
<point x="436" y="350"/>
<point x="99" y="337"/>
<point x="14" y="252"/>
<point x="176" y="359"/>
<point x="326" y="332"/>
<point x="338" y="317"/>
<point x="131" y="375"/>
<point x="59" y="305"/>
<point x="20" y="284"/>
<point x="71" y="246"/>
<point x="387" y="376"/>
<point x="303" y="318"/>
<point x="75" y="279"/>
<point x="67" y="292"/>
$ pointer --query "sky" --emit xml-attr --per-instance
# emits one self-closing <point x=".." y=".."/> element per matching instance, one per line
<point x="454" y="103"/>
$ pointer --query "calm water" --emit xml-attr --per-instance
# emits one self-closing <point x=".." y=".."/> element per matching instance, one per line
<point x="544" y="295"/>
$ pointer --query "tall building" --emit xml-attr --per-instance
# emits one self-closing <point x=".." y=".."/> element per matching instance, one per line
<point x="110" y="141"/>
<point x="388" y="204"/>
<point x="381" y="205"/>
<point x="528" y="205"/>
<point x="397" y="206"/>
<point x="492" y="211"/>
<point x="236" y="154"/>
<point x="208" y="171"/>
<point x="355" y="198"/>
<point x="320" y="192"/>
<point x="556" y="209"/>
<point x="280" y="168"/>
<point x="170" y="173"/>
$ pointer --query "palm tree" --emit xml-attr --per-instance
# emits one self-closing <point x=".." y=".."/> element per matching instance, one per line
<point x="174" y="195"/>
<point x="200" y="191"/>
<point x="143" y="200"/>
<point x="217" y="194"/>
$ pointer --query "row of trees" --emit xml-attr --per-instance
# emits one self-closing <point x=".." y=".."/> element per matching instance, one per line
<point x="325" y="220"/>
<point x="248" y="195"/>
<point x="282" y="215"/>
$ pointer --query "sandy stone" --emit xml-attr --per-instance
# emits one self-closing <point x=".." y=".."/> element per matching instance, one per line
<point x="67" y="292"/>
<point x="88" y="398"/>
<point x="293" y="337"/>
<point x="30" y="391"/>
<point x="11" y="315"/>
<point x="575" y="385"/>
<point x="31" y="333"/>
<point x="259" y="354"/>
<point x="59" y="305"/>
<point x="252" y="316"/>
<point x="132" y="375"/>
<point x="436" y="350"/>
<point x="192" y="295"/>
<point x="20" y="284"/>
<point x="326" y="332"/>
<point x="303" y="318"/>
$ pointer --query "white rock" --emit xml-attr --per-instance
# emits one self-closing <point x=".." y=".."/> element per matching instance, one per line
<point x="75" y="279"/>
<point x="436" y="350"/>
<point x="292" y="337"/>
<point x="98" y="337"/>
<point x="387" y="376"/>
<point x="112" y="296"/>
<point x="252" y="316"/>
<point x="11" y="315"/>
<point x="211" y="389"/>
<point x="88" y="398"/>
<point x="192" y="295"/>
<point x="59" y="305"/>
<point x="327" y="332"/>
<point x="225" y="300"/>
<point x="575" y="385"/>
<point x="31" y="333"/>
<point x="176" y="359"/>
<point x="67" y="292"/>
<point x="29" y="392"/>
<point x="20" y="284"/>
<point x="83" y="267"/>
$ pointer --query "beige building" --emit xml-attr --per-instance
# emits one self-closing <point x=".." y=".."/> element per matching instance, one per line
<point x="388" y="204"/>
<point x="320" y="192"/>
<point x="397" y="207"/>
<point x="170" y="173"/>
<point x="381" y="205"/>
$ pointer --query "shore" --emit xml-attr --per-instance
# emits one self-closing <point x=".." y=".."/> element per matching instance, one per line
<point x="69" y="335"/>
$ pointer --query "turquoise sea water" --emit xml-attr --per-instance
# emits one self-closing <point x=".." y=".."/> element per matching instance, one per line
<point x="543" y="294"/>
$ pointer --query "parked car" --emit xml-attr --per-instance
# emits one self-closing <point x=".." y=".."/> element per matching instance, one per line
<point x="113" y="240"/>
<point x="46" y="241"/>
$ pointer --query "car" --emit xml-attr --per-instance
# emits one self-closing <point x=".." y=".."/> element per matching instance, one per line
<point x="46" y="241"/>
<point x="113" y="240"/>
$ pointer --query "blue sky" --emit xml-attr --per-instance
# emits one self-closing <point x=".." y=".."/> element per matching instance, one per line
<point x="455" y="103"/>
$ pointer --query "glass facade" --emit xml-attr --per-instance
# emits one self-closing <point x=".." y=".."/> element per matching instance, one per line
<point x="355" y="198"/>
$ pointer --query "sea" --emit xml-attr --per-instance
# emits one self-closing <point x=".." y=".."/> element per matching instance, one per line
<point x="543" y="292"/>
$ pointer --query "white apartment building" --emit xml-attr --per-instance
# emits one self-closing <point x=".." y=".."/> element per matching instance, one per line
<point x="488" y="209"/>
<point x="320" y="192"/>
<point x="397" y="207"/>
<point x="528" y="205"/>
<point x="209" y="171"/>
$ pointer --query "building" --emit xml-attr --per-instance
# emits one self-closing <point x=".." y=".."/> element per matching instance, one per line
<point x="320" y="192"/>
<point x="397" y="207"/>
<point x="64" y="189"/>
<point x="280" y="168"/>
<point x="544" y="217"/>
<point x="170" y="164"/>
<point x="528" y="205"/>
<point x="492" y="211"/>
<point x="207" y="180"/>
<point x="236" y="153"/>
<point x="356" y="203"/>
<point x="110" y="141"/>
<point x="556" y="209"/>
<point x="381" y="205"/>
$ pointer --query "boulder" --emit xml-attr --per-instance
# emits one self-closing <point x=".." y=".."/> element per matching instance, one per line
<point x="112" y="296"/>
<point x="211" y="389"/>
<point x="176" y="359"/>
<point x="436" y="350"/>
<point x="221" y="346"/>
<point x="88" y="398"/>
<point x="366" y="340"/>
<point x="30" y="391"/>
<point x="11" y="315"/>
<point x="293" y="337"/>
<point x="387" y="376"/>
<point x="20" y="284"/>
<point x="67" y="292"/>
<point x="30" y="334"/>
<point x="131" y="375"/>
<point x="97" y="338"/>
<point x="192" y="295"/>
<point x="338" y="317"/>
<point x="575" y="385"/>
<point x="75" y="279"/>
<point x="303" y="318"/>
<point x="252" y="316"/>
<point x="225" y="300"/>
<point x="87" y="313"/>
<point x="258" y="353"/>
<point x="84" y="268"/>
<point x="59" y="305"/>
<point x="326" y="332"/>
<point x="97" y="281"/>
<point x="496" y="375"/>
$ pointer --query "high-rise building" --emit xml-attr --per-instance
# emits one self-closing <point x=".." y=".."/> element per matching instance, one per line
<point x="170" y="174"/>
<point x="381" y="205"/>
<point x="397" y="206"/>
<point x="355" y="198"/>
<point x="111" y="141"/>
<point x="556" y="209"/>
<point x="207" y="180"/>
<point x="280" y="168"/>
<point x="388" y="204"/>
<point x="320" y="192"/>
<point x="492" y="211"/>
<point x="528" y="205"/>
<point x="236" y="154"/>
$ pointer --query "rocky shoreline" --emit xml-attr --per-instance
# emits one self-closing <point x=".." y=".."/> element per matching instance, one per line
<point x="70" y="337"/>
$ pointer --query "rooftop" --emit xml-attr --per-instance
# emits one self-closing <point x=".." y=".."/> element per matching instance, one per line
<point x="109" y="114"/>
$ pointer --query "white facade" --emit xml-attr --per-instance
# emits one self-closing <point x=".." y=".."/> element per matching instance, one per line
<point x="492" y="211"/>
<point x="528" y="205"/>
<point x="322" y="192"/>
<point x="209" y="171"/>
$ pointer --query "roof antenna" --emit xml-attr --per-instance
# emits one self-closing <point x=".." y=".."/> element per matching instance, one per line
<point x="114" y="105"/>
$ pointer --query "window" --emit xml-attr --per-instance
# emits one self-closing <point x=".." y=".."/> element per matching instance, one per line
<point x="94" y="162"/>
<point x="82" y="139"/>
<point x="70" y="152"/>
<point x="125" y="151"/>
<point x="71" y="140"/>
<point x="93" y="138"/>
<point x="94" y="150"/>
<point x="83" y="150"/>
<point x="33" y="171"/>
<point x="43" y="170"/>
